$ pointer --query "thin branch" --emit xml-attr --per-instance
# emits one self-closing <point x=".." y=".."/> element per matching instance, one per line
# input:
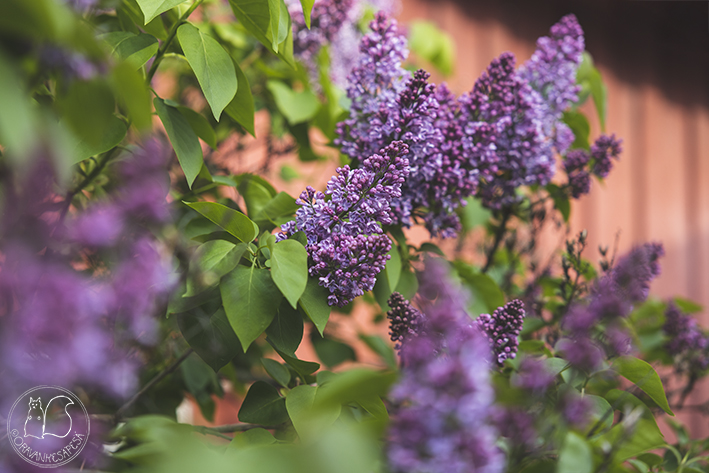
<point x="160" y="376"/>
<point x="499" y="234"/>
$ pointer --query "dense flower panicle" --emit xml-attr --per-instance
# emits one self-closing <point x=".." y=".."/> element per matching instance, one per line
<point x="533" y="376"/>
<point x="502" y="329"/>
<point x="405" y="321"/>
<point x="602" y="150"/>
<point x="326" y="20"/>
<point x="687" y="343"/>
<point x="517" y="425"/>
<point x="503" y="120"/>
<point x="575" y="165"/>
<point x="444" y="395"/>
<point x="345" y="242"/>
<point x="551" y="71"/>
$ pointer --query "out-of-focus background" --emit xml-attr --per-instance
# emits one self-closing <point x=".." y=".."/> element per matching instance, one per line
<point x="654" y="58"/>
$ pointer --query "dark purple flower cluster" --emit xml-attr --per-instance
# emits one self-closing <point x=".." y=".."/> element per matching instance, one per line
<point x="575" y="165"/>
<point x="605" y="148"/>
<point x="68" y="65"/>
<point x="502" y="329"/>
<point x="327" y="18"/>
<point x="442" y="422"/>
<point x="346" y="244"/>
<point x="504" y="137"/>
<point x="687" y="344"/>
<point x="517" y="426"/>
<point x="405" y="321"/>
<point x="63" y="326"/>
<point x="611" y="299"/>
<point x="533" y="376"/>
<point x="551" y="71"/>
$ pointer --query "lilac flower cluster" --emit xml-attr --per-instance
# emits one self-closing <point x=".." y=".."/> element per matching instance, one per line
<point x="687" y="344"/>
<point x="611" y="299"/>
<point x="551" y="71"/>
<point x="442" y="422"/>
<point x="533" y="376"/>
<point x="579" y="164"/>
<point x="405" y="321"/>
<point x="68" y="65"/>
<point x="345" y="242"/>
<point x="63" y="326"/>
<point x="502" y="329"/>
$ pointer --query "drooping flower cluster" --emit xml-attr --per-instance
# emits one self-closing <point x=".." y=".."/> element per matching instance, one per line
<point x="442" y="421"/>
<point x="502" y="329"/>
<point x="345" y="242"/>
<point x="611" y="299"/>
<point x="404" y="320"/>
<point x="551" y="71"/>
<point x="62" y="326"/>
<point x="579" y="164"/>
<point x="687" y="344"/>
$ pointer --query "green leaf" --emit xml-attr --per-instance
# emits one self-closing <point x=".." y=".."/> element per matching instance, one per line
<point x="252" y="438"/>
<point x="314" y="304"/>
<point x="483" y="287"/>
<point x="431" y="248"/>
<point x="276" y="371"/>
<point x="212" y="338"/>
<point x="153" y="8"/>
<point x="599" y="93"/>
<point x="382" y="348"/>
<point x="303" y="368"/>
<point x="578" y="123"/>
<point x="200" y="125"/>
<point x="113" y="135"/>
<point x="263" y="405"/>
<point x="331" y="352"/>
<point x="575" y="455"/>
<point x="644" y="377"/>
<point x="256" y="16"/>
<point x="135" y="49"/>
<point x="286" y="329"/>
<point x="428" y="42"/>
<point x="212" y="65"/>
<point x="251" y="301"/>
<point x="241" y="108"/>
<point x="182" y="138"/>
<point x="132" y="94"/>
<point x="354" y="385"/>
<point x="201" y="383"/>
<point x="687" y="306"/>
<point x="307" y="421"/>
<point x="289" y="269"/>
<point x="220" y="256"/>
<point x="233" y="221"/>
<point x="601" y="410"/>
<point x="307" y="10"/>
<point x="392" y="269"/>
<point x="297" y="107"/>
<point x="275" y="211"/>
<point x="473" y="214"/>
<point x="645" y="436"/>
<point x="87" y="108"/>
<point x="408" y="284"/>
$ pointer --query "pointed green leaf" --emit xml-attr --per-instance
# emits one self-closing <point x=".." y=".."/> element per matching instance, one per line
<point x="277" y="371"/>
<point x="297" y="107"/>
<point x="133" y="96"/>
<point x="183" y="139"/>
<point x="302" y="367"/>
<point x="307" y="421"/>
<point x="256" y="16"/>
<point x="485" y="290"/>
<point x="645" y="377"/>
<point x="153" y="8"/>
<point x="211" y="64"/>
<point x="307" y="10"/>
<point x="275" y="211"/>
<point x="233" y="221"/>
<point x="135" y="49"/>
<point x="575" y="455"/>
<point x="200" y="125"/>
<point x="212" y="337"/>
<point x="113" y="135"/>
<point x="314" y="304"/>
<point x="393" y="267"/>
<point x="289" y="269"/>
<point x="286" y="329"/>
<point x="263" y="405"/>
<point x="250" y="301"/>
<point x="241" y="108"/>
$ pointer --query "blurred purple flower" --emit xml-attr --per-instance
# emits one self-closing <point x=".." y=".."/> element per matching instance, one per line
<point x="533" y="376"/>
<point x="404" y="320"/>
<point x="605" y="148"/>
<point x="687" y="344"/>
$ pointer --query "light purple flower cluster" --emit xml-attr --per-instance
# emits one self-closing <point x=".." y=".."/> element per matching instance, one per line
<point x="687" y="344"/>
<point x="345" y="241"/>
<point x="68" y="65"/>
<point x="551" y="71"/>
<point x="64" y="326"/>
<point x="579" y="164"/>
<point x="444" y="397"/>
<point x="611" y="299"/>
<point x="502" y="329"/>
<point x="405" y="321"/>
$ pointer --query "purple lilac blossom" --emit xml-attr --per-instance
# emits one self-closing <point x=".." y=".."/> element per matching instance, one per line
<point x="345" y="242"/>
<point x="575" y="165"/>
<point x="687" y="344"/>
<point x="551" y="71"/>
<point x="517" y="425"/>
<point x="605" y="148"/>
<point x="533" y="376"/>
<point x="444" y="397"/>
<point x="68" y="65"/>
<point x="502" y="329"/>
<point x="404" y="320"/>
<point x="635" y="271"/>
<point x="576" y="410"/>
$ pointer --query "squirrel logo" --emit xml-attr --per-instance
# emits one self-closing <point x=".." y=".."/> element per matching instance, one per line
<point x="36" y="422"/>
